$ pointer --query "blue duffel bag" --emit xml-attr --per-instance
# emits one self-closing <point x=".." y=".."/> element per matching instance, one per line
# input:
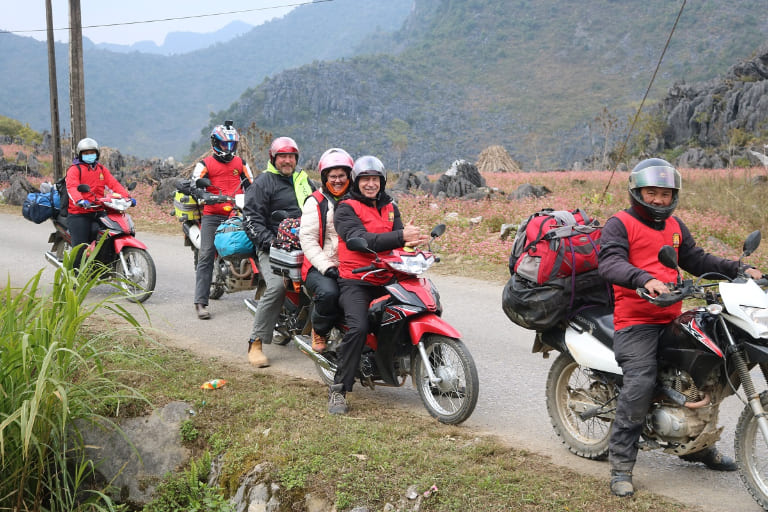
<point x="231" y="239"/>
<point x="40" y="206"/>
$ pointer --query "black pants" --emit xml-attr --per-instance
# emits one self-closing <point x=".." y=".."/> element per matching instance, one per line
<point x="325" y="300"/>
<point x="83" y="228"/>
<point x="635" y="348"/>
<point x="354" y="299"/>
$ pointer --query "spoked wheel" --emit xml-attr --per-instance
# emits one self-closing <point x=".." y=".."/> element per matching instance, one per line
<point x="751" y="452"/>
<point x="217" y="279"/>
<point x="453" y="398"/>
<point x="573" y="399"/>
<point x="139" y="280"/>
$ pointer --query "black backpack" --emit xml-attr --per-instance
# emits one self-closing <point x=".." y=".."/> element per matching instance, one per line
<point x="61" y="188"/>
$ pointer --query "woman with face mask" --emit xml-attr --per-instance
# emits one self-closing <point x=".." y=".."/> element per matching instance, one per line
<point x="83" y="208"/>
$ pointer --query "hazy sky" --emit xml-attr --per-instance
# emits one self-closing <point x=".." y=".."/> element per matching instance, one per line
<point x="27" y="17"/>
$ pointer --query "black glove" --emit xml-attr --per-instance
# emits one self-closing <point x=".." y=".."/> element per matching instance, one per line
<point x="332" y="272"/>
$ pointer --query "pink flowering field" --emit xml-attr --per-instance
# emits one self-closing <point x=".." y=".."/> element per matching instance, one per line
<point x="720" y="207"/>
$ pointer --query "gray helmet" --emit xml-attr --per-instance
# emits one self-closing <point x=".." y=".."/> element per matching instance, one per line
<point x="86" y="144"/>
<point x="654" y="172"/>
<point x="368" y="166"/>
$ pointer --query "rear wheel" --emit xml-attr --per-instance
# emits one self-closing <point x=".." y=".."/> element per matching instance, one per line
<point x="452" y="399"/>
<point x="139" y="280"/>
<point x="580" y="407"/>
<point x="217" y="279"/>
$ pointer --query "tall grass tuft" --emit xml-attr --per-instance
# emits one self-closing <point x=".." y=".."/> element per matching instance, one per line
<point x="49" y="378"/>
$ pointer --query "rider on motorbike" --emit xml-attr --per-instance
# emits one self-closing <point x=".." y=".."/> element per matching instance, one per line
<point x="83" y="208"/>
<point x="628" y="259"/>
<point x="320" y="243"/>
<point x="229" y="175"/>
<point x="368" y="213"/>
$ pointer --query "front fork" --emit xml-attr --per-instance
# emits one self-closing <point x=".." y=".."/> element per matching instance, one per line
<point x="753" y="397"/>
<point x="433" y="379"/>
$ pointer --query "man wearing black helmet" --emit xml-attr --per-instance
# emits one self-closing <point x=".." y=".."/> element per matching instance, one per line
<point x="628" y="259"/>
<point x="229" y="175"/>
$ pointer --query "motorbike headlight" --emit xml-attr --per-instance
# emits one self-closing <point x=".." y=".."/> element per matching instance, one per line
<point x="757" y="315"/>
<point x="415" y="264"/>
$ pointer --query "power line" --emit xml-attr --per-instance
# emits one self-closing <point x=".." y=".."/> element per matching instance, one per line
<point x="160" y="20"/>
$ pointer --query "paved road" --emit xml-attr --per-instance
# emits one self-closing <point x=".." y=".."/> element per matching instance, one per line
<point x="511" y="404"/>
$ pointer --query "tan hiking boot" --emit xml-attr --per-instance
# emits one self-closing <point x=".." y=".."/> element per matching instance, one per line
<point x="319" y="343"/>
<point x="255" y="356"/>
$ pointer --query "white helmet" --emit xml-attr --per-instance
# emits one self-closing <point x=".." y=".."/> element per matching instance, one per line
<point x="86" y="144"/>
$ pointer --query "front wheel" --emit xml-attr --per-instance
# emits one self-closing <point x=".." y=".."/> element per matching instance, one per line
<point x="452" y="399"/>
<point x="218" y="286"/>
<point x="751" y="451"/>
<point x="580" y="407"/>
<point x="139" y="280"/>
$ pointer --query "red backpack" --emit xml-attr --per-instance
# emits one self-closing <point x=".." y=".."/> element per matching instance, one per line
<point x="553" y="244"/>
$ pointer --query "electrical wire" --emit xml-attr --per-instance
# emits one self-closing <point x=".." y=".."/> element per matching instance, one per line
<point x="160" y="20"/>
<point x="623" y="147"/>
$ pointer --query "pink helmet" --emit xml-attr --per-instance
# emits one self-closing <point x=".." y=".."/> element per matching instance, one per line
<point x="335" y="157"/>
<point x="283" y="145"/>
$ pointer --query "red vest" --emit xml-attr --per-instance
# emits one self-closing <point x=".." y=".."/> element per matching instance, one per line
<point x="374" y="222"/>
<point x="225" y="176"/>
<point x="644" y="245"/>
<point x="322" y="213"/>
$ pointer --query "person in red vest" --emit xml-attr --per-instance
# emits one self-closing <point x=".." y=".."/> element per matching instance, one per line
<point x="83" y="210"/>
<point x="320" y="243"/>
<point x="229" y="175"/>
<point x="629" y="247"/>
<point x="367" y="212"/>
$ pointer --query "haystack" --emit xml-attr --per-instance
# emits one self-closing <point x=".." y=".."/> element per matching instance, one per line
<point x="496" y="159"/>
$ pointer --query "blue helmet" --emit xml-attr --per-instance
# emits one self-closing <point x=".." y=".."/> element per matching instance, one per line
<point x="224" y="139"/>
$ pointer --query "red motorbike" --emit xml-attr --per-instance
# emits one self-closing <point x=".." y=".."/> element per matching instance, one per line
<point x="408" y="336"/>
<point x="122" y="253"/>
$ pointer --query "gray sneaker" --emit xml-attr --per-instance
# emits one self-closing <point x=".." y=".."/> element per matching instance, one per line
<point x="337" y="401"/>
<point x="621" y="483"/>
<point x="202" y="311"/>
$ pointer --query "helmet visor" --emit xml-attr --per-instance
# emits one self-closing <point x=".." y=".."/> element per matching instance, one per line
<point x="228" y="146"/>
<point x="656" y="176"/>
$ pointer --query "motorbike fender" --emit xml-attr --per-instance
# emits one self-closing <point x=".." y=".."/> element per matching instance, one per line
<point x="588" y="351"/>
<point x="192" y="230"/>
<point x="430" y="323"/>
<point x="128" y="241"/>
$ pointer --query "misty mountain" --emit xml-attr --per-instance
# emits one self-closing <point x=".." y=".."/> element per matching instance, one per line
<point x="176" y="43"/>
<point x="532" y="76"/>
<point x="155" y="105"/>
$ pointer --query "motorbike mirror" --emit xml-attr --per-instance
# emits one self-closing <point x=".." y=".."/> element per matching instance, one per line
<point x="83" y="188"/>
<point x="751" y="243"/>
<point x="668" y="256"/>
<point x="279" y="215"/>
<point x="437" y="231"/>
<point x="131" y="185"/>
<point x="203" y="183"/>
<point x="357" y="244"/>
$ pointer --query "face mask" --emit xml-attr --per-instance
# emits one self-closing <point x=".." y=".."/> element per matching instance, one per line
<point x="89" y="159"/>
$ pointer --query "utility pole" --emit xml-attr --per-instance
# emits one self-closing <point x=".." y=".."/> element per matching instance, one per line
<point x="53" y="93"/>
<point x="76" y="75"/>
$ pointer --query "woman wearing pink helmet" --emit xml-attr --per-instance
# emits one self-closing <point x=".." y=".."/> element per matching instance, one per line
<point x="320" y="242"/>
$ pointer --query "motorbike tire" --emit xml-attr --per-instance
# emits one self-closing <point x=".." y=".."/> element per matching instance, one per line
<point x="751" y="452"/>
<point x="140" y="281"/>
<point x="218" y="287"/>
<point x="569" y="384"/>
<point x="454" y="399"/>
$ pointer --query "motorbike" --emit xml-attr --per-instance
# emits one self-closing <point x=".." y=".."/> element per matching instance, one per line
<point x="233" y="273"/>
<point x="704" y="356"/>
<point x="127" y="257"/>
<point x="408" y="336"/>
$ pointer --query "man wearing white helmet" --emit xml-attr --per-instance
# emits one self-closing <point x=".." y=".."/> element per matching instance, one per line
<point x="368" y="212"/>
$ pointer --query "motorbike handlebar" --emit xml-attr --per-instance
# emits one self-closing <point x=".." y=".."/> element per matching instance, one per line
<point x="663" y="299"/>
<point x="366" y="268"/>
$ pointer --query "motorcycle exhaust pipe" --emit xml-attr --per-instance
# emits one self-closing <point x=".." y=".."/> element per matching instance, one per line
<point x="304" y="344"/>
<point x="52" y="259"/>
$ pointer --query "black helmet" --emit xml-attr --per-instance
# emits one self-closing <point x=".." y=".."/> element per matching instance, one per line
<point x="653" y="172"/>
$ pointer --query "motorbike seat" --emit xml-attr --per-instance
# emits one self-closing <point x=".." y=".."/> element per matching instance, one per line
<point x="61" y="220"/>
<point x="598" y="321"/>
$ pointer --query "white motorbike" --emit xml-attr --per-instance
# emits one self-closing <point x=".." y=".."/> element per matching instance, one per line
<point x="705" y="355"/>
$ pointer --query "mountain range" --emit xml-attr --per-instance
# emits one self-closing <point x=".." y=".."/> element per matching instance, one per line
<point x="419" y="83"/>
